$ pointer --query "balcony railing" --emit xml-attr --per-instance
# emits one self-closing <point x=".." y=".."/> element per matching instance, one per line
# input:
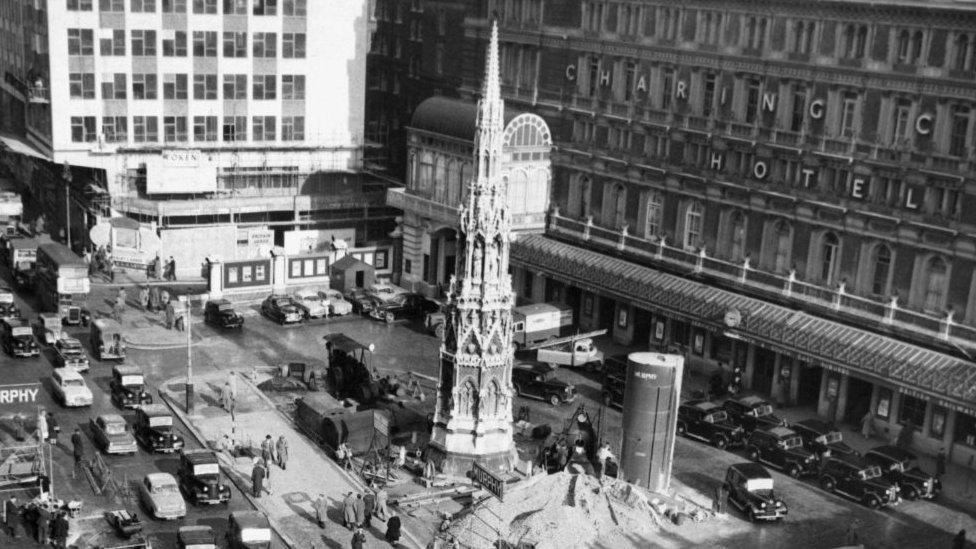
<point x="832" y="300"/>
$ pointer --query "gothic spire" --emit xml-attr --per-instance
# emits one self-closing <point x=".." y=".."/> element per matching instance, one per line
<point x="491" y="94"/>
<point x="491" y="113"/>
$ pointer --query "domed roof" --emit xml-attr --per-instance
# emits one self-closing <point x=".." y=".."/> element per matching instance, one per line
<point x="453" y="117"/>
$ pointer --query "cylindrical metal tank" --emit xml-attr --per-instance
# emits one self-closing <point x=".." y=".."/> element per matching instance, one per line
<point x="650" y="412"/>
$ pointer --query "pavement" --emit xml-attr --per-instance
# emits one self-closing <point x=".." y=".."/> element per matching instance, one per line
<point x="292" y="491"/>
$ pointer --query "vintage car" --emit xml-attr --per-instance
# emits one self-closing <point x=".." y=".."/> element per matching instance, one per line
<point x="7" y="307"/>
<point x="18" y="338"/>
<point x="538" y="381"/>
<point x="112" y="435"/>
<point x="384" y="291"/>
<point x="75" y="315"/>
<point x="106" y="339"/>
<point x="199" y="476"/>
<point x="361" y="301"/>
<point x="282" y="309"/>
<point x="248" y="530"/>
<point x="853" y="477"/>
<point x="821" y="439"/>
<point x="128" y="387"/>
<point x="752" y="412"/>
<point x="68" y="353"/>
<point x="403" y="306"/>
<point x="48" y="328"/>
<point x="613" y="390"/>
<point x="196" y="537"/>
<point x="901" y="467"/>
<point x="708" y="422"/>
<point x="750" y="489"/>
<point x="160" y="495"/>
<point x="338" y="306"/>
<point x="70" y="388"/>
<point x="153" y="428"/>
<point x="782" y="448"/>
<point x="310" y="304"/>
<point x="220" y="313"/>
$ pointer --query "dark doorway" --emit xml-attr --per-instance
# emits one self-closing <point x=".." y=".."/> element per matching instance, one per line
<point x="434" y="267"/>
<point x="808" y="389"/>
<point x="606" y="313"/>
<point x="858" y="400"/>
<point x="554" y="291"/>
<point x="762" y="374"/>
<point x="642" y="328"/>
<point x="360" y="279"/>
<point x="574" y="297"/>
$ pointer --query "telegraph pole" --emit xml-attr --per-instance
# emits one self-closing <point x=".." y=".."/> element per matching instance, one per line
<point x="189" y="358"/>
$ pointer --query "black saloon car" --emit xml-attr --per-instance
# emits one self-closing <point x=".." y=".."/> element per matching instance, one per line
<point x="752" y="412"/>
<point x="783" y="449"/>
<point x="750" y="488"/>
<point x="708" y="422"/>
<point x="853" y="477"/>
<point x="221" y="314"/>
<point x="128" y="387"/>
<point x="281" y="309"/>
<point x="403" y="306"/>
<point x="153" y="429"/>
<point x="361" y="301"/>
<point x="901" y="467"/>
<point x="613" y="390"/>
<point x="540" y="382"/>
<point x="199" y="477"/>
<point x="821" y="439"/>
<point x="18" y="338"/>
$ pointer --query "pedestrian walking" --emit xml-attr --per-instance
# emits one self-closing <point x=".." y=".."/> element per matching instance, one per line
<point x="358" y="539"/>
<point x="122" y="295"/>
<point x="144" y="298"/>
<point x="603" y="455"/>
<point x="282" y="448"/>
<point x="11" y="516"/>
<point x="721" y="496"/>
<point x="940" y="464"/>
<point x="359" y="508"/>
<point x="349" y="511"/>
<point x="344" y="455"/>
<point x="163" y="298"/>
<point x="321" y="506"/>
<point x="257" y="478"/>
<point x="60" y="530"/>
<point x="959" y="542"/>
<point x="225" y="397"/>
<point x="117" y="311"/>
<point x="170" y="316"/>
<point x="77" y="446"/>
<point x="172" y="269"/>
<point x="867" y="424"/>
<point x="381" y="511"/>
<point x="29" y="516"/>
<point x="267" y="472"/>
<point x="43" y="524"/>
<point x="369" y="507"/>
<point x="267" y="449"/>
<point x="393" y="530"/>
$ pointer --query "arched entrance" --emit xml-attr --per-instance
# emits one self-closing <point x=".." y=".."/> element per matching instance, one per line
<point x="439" y="263"/>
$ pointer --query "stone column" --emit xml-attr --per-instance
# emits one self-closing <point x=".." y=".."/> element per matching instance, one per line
<point x="841" y="398"/>
<point x="822" y="403"/>
<point x="216" y="282"/>
<point x="749" y="371"/>
<point x="794" y="389"/>
<point x="777" y="395"/>
<point x="279" y="271"/>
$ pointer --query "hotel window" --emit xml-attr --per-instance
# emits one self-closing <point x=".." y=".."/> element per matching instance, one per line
<point x="783" y="246"/>
<point x="964" y="53"/>
<point x="205" y="86"/>
<point x="586" y="190"/>
<point x="81" y="85"/>
<point x="292" y="128"/>
<point x="81" y="42"/>
<point x="829" y="247"/>
<point x="235" y="7"/>
<point x="235" y="44"/>
<point x="204" y="44"/>
<point x="235" y="86"/>
<point x="263" y="128"/>
<point x="204" y="128"/>
<point x="174" y="86"/>
<point x="909" y="47"/>
<point x="114" y="129"/>
<point x="265" y="7"/>
<point x="293" y="45"/>
<point x="176" y="46"/>
<point x="958" y="130"/>
<point x="235" y="128"/>
<point x="965" y="430"/>
<point x="652" y="215"/>
<point x="854" y="41"/>
<point x="803" y="36"/>
<point x="595" y="20"/>
<point x="911" y="410"/>
<point x="143" y="43"/>
<point x="264" y="86"/>
<point x="205" y="6"/>
<point x="293" y="87"/>
<point x="265" y="44"/>
<point x="693" y="225"/>
<point x="115" y="6"/>
<point x="594" y="76"/>
<point x="113" y="86"/>
<point x="630" y="79"/>
<point x="174" y="6"/>
<point x="756" y="32"/>
<point x="900" y="124"/>
<point x="708" y="95"/>
<point x="798" y="114"/>
<point x="669" y="23"/>
<point x="294" y="7"/>
<point x="667" y="88"/>
<point x="83" y="129"/>
<point x="848" y="114"/>
<point x="737" y="236"/>
<point x="881" y="268"/>
<point x="145" y="129"/>
<point x="888" y="191"/>
<point x="618" y="206"/>
<point x="174" y="129"/>
<point x="936" y="272"/>
<point x="752" y="100"/>
<point x="79" y="5"/>
<point x="114" y="45"/>
<point x="143" y="6"/>
<point x="144" y="86"/>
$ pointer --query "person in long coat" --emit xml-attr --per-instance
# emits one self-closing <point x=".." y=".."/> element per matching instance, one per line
<point x="59" y="531"/>
<point x="267" y="449"/>
<point x="349" y="510"/>
<point x="369" y="507"/>
<point x="359" y="507"/>
<point x="393" y="530"/>
<point x="381" y="510"/>
<point x="282" y="448"/>
<point x="11" y="516"/>
<point x="43" y="524"/>
<point x="257" y="478"/>
<point x="321" y="506"/>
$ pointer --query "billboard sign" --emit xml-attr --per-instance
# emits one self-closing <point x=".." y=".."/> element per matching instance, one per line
<point x="488" y="480"/>
<point x="19" y="399"/>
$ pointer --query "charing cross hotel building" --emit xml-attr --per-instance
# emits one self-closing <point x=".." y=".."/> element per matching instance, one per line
<point x="787" y="187"/>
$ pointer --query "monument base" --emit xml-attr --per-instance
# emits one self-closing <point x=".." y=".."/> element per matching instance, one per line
<point x="459" y="465"/>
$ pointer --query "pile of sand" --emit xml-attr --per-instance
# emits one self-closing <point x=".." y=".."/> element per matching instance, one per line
<point x="561" y="511"/>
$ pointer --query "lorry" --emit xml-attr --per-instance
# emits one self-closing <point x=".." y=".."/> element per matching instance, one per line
<point x="573" y="351"/>
<point x="535" y="323"/>
<point x="11" y="212"/>
<point x="21" y="255"/>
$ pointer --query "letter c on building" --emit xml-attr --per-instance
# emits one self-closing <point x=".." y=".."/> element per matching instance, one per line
<point x="923" y="124"/>
<point x="817" y="109"/>
<point x="570" y="72"/>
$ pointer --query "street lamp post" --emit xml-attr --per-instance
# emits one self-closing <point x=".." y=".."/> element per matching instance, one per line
<point x="66" y="175"/>
<point x="189" y="359"/>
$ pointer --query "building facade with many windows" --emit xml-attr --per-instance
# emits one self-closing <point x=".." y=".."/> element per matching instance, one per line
<point x="783" y="187"/>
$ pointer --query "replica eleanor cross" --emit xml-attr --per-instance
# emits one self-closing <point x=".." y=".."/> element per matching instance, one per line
<point x="473" y="418"/>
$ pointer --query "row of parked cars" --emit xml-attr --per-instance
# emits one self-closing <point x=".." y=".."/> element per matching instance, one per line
<point x="881" y="477"/>
<point x="381" y="301"/>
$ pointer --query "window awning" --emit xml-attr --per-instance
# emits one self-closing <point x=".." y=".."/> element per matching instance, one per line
<point x="20" y="146"/>
<point x="831" y="344"/>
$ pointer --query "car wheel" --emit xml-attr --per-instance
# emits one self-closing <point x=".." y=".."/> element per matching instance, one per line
<point x="872" y="502"/>
<point x="720" y="443"/>
<point x="389" y="317"/>
<point x="681" y="429"/>
<point x="752" y="515"/>
<point x="753" y="453"/>
<point x="910" y="493"/>
<point x="793" y="470"/>
<point x="554" y="400"/>
<point x="827" y="484"/>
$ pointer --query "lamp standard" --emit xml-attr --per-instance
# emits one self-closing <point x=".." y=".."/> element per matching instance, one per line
<point x="66" y="175"/>
<point x="189" y="357"/>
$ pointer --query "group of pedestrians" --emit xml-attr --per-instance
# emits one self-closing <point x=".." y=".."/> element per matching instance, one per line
<point x="358" y="511"/>
<point x="272" y="452"/>
<point x="43" y="522"/>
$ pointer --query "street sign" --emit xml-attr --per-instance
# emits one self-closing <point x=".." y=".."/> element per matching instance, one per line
<point x="20" y="398"/>
<point x="381" y="423"/>
<point x="488" y="480"/>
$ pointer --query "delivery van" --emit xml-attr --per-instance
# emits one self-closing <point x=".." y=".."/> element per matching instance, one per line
<point x="540" y="321"/>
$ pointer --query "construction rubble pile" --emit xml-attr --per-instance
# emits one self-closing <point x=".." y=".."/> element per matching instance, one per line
<point x="566" y="510"/>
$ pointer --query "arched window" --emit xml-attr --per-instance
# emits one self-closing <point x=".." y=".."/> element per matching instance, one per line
<point x="960" y="52"/>
<point x="782" y="246"/>
<point x="693" y="225"/>
<point x="829" y="251"/>
<point x="585" y="189"/>
<point x="881" y="268"/>
<point x="652" y="215"/>
<point x="918" y="39"/>
<point x="903" y="46"/>
<point x="618" y="201"/>
<point x="935" y="284"/>
<point x="737" y="236"/>
<point x="798" y="37"/>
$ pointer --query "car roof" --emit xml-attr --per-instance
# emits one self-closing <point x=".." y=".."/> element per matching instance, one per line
<point x="218" y="302"/>
<point x="893" y="452"/>
<point x="16" y="322"/>
<point x="850" y="459"/>
<point x="69" y="373"/>
<point x="198" y="534"/>
<point x="751" y="470"/>
<point x="781" y="432"/>
<point x="127" y="370"/>
<point x="107" y="324"/>
<point x="65" y="341"/>
<point x="155" y="410"/>
<point x="200" y="456"/>
<point x="703" y="405"/>
<point x="160" y="478"/>
<point x="250" y="519"/>
<point x="750" y="400"/>
<point x="816" y="425"/>
<point x="112" y="418"/>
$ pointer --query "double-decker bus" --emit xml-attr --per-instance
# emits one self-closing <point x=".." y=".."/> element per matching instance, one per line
<point x="62" y="281"/>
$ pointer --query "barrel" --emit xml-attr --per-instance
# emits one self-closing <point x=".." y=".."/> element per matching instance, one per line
<point x="650" y="415"/>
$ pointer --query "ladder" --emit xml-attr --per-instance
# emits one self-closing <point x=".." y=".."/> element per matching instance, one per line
<point x="561" y="340"/>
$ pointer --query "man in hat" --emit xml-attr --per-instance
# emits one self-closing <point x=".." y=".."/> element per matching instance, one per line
<point x="11" y="516"/>
<point x="321" y="506"/>
<point x="257" y="478"/>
